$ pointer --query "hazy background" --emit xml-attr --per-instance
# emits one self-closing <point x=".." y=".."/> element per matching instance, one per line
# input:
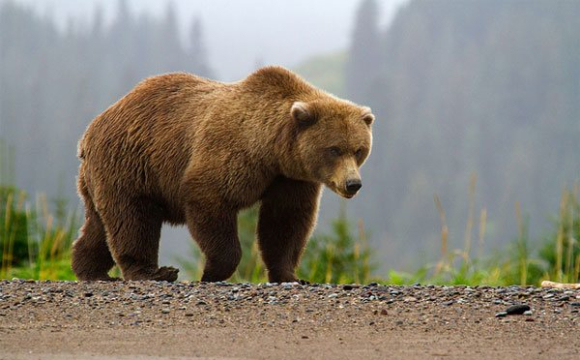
<point x="486" y="90"/>
<point x="239" y="34"/>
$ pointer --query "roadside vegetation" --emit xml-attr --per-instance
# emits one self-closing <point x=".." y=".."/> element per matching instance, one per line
<point x="36" y="237"/>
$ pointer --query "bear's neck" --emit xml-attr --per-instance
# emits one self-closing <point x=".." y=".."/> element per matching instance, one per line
<point x="288" y="161"/>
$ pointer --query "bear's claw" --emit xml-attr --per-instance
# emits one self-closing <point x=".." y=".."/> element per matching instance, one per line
<point x="165" y="273"/>
<point x="83" y="277"/>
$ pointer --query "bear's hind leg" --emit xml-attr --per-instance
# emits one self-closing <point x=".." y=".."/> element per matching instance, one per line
<point x="91" y="258"/>
<point x="134" y="230"/>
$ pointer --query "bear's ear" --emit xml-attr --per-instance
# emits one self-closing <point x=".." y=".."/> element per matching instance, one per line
<point x="302" y="113"/>
<point x="368" y="117"/>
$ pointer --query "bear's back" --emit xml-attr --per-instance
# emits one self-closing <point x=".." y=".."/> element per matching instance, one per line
<point x="142" y="143"/>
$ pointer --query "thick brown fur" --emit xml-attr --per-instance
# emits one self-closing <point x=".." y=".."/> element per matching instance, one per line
<point x="183" y="149"/>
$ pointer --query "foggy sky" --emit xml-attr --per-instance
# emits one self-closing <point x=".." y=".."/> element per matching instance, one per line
<point x="239" y="34"/>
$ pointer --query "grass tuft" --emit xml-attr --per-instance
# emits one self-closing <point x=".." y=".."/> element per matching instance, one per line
<point x="35" y="243"/>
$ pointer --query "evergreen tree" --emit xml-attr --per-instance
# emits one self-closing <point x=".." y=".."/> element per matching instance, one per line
<point x="364" y="62"/>
<point x="197" y="49"/>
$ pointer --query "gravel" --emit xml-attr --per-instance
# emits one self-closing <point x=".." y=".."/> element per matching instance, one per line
<point x="287" y="313"/>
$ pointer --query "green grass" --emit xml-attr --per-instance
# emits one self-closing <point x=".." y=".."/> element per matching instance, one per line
<point x="561" y="250"/>
<point x="35" y="242"/>
<point x="557" y="257"/>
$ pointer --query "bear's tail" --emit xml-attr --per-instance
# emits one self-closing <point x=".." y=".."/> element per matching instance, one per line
<point x="81" y="148"/>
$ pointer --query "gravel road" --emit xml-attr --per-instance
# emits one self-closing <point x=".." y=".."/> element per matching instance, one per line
<point x="158" y="320"/>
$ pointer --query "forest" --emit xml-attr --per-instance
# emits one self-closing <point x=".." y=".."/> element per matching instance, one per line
<point x="477" y="103"/>
<point x="462" y="89"/>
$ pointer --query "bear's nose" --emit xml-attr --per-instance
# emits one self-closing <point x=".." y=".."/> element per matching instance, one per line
<point x="352" y="186"/>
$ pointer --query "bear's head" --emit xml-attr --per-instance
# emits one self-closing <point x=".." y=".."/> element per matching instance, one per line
<point x="334" y="139"/>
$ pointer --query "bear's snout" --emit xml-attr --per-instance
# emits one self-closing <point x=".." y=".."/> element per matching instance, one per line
<point x="353" y="186"/>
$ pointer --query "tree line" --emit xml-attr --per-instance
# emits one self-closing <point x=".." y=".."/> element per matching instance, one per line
<point x="487" y="88"/>
<point x="53" y="83"/>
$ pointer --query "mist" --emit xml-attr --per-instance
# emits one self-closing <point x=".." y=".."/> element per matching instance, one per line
<point x="239" y="34"/>
<point x="477" y="103"/>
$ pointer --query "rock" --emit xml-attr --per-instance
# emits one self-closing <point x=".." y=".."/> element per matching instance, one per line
<point x="575" y="304"/>
<point x="501" y="314"/>
<point x="528" y="313"/>
<point x="517" y="309"/>
<point x="165" y="311"/>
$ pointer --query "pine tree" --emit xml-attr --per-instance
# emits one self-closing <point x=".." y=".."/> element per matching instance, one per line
<point x="363" y="66"/>
<point x="197" y="49"/>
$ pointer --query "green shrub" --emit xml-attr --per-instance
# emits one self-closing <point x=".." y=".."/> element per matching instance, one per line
<point x="337" y="257"/>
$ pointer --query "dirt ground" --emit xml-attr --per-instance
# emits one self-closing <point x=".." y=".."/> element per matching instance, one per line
<point x="149" y="320"/>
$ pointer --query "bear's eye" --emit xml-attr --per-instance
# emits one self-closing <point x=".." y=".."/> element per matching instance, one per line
<point x="335" y="151"/>
<point x="358" y="153"/>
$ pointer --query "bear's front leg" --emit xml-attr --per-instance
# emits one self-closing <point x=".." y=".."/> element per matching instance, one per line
<point x="287" y="218"/>
<point x="215" y="230"/>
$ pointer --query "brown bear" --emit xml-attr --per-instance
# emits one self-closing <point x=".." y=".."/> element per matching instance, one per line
<point x="184" y="149"/>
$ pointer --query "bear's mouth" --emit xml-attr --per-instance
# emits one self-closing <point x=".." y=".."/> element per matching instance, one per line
<point x="347" y="196"/>
<point x="332" y="186"/>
